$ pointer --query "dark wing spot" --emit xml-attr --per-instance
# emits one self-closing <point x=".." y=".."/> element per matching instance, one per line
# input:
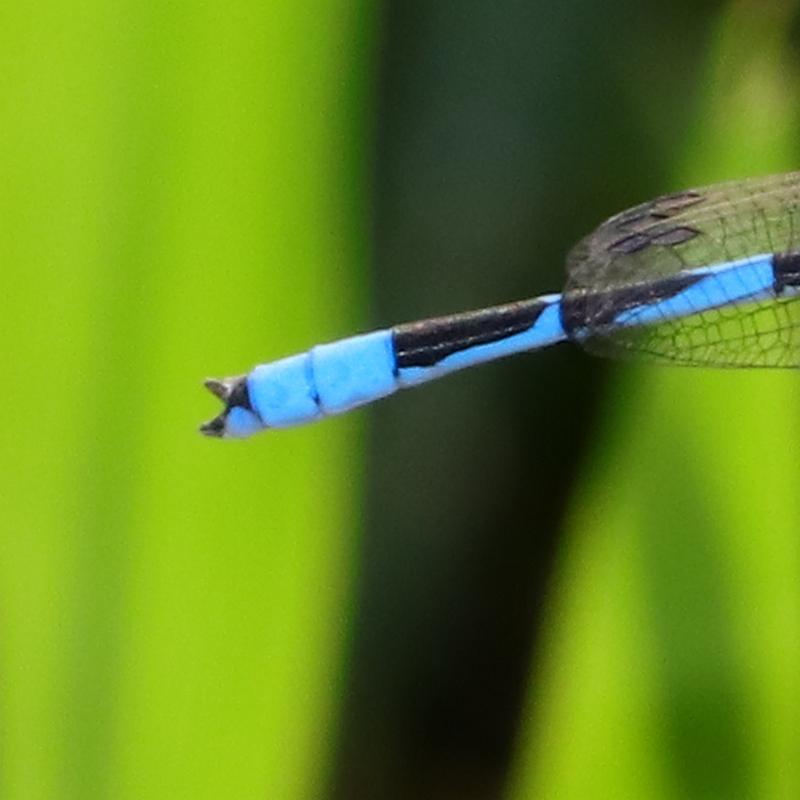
<point x="632" y="243"/>
<point x="646" y="214"/>
<point x="672" y="236"/>
<point x="630" y="220"/>
<point x="670" y="204"/>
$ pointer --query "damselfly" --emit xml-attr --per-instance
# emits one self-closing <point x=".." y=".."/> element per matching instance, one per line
<point x="704" y="277"/>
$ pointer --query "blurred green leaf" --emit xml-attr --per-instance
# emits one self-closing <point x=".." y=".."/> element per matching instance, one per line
<point x="181" y="188"/>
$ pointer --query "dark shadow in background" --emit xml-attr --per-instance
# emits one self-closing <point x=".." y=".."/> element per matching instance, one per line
<point x="506" y="131"/>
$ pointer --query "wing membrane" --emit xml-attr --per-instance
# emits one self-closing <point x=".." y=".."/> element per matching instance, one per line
<point x="676" y="234"/>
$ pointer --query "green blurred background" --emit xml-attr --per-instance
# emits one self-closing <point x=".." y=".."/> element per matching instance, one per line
<point x="550" y="578"/>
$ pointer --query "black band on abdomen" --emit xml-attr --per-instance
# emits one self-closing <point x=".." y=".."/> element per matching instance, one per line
<point x="423" y="344"/>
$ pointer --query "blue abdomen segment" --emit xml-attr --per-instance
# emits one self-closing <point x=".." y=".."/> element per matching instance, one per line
<point x="328" y="379"/>
<point x="283" y="392"/>
<point x="354" y="371"/>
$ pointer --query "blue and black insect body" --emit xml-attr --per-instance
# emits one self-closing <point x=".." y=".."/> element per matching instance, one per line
<point x="705" y="277"/>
